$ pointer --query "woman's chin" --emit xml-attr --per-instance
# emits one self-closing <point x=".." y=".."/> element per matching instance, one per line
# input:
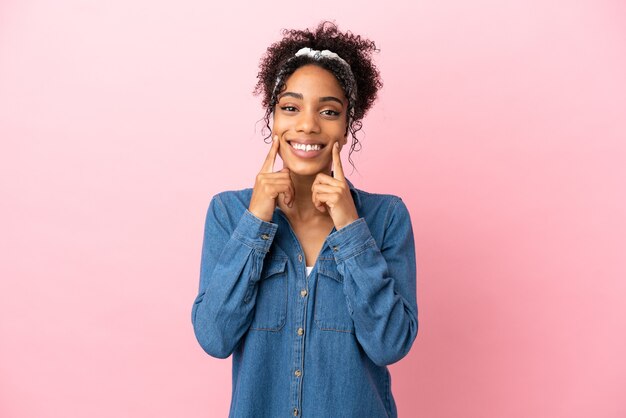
<point x="304" y="169"/>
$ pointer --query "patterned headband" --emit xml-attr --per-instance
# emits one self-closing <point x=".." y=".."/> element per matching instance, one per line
<point x="321" y="55"/>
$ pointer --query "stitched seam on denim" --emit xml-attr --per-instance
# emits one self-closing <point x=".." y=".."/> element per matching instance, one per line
<point x="283" y="319"/>
<point x="219" y="200"/>
<point x="392" y="207"/>
<point x="390" y="210"/>
<point x="319" y="322"/>
<point x="243" y="240"/>
<point x="388" y="391"/>
<point x="280" y="326"/>
<point x="360" y="250"/>
<point x="269" y="329"/>
<point x="336" y="277"/>
<point x="246" y="240"/>
<point x="246" y="297"/>
<point x="303" y="342"/>
<point x="352" y="226"/>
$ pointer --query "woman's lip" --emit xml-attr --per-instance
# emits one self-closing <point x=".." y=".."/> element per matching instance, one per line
<point x="305" y="154"/>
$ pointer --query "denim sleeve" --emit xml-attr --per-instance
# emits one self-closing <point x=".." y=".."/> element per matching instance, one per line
<point x="380" y="284"/>
<point x="231" y="264"/>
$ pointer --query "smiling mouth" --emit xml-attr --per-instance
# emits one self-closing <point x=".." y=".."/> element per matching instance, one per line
<point x="305" y="147"/>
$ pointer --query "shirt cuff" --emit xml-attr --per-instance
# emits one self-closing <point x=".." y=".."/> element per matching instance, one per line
<point x="351" y="240"/>
<point x="255" y="232"/>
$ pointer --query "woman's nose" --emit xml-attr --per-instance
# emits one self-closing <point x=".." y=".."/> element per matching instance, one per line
<point x="307" y="122"/>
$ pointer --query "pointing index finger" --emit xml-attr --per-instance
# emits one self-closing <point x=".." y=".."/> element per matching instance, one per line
<point x="268" y="164"/>
<point x="337" y="167"/>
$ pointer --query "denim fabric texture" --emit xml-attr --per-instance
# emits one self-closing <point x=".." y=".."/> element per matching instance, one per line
<point x="315" y="346"/>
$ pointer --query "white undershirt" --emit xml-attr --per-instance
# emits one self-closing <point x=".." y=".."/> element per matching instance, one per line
<point x="308" y="270"/>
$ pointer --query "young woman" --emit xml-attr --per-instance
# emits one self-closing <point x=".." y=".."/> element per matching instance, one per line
<point x="309" y="282"/>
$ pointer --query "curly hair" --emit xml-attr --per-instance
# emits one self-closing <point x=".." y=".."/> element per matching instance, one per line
<point x="279" y="62"/>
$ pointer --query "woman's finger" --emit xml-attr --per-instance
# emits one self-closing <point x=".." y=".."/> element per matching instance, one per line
<point x="319" y="205"/>
<point x="337" y="167"/>
<point x="325" y="188"/>
<point x="329" y="199"/>
<point x="322" y="178"/>
<point x="268" y="164"/>
<point x="284" y="188"/>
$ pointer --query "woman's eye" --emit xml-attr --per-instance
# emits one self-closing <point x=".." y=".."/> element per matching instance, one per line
<point x="288" y="108"/>
<point x="329" y="112"/>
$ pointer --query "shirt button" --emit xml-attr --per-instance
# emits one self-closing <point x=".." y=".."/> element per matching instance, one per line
<point x="298" y="373"/>
<point x="300" y="331"/>
<point x="295" y="412"/>
<point x="303" y="293"/>
<point x="336" y="248"/>
<point x="265" y="236"/>
<point x="300" y="258"/>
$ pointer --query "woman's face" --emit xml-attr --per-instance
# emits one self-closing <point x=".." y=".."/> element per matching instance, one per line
<point x="309" y="118"/>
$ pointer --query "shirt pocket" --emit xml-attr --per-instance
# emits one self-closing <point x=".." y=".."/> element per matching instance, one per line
<point x="332" y="311"/>
<point x="271" y="301"/>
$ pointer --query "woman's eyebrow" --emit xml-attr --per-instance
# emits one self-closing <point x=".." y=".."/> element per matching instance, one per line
<point x="292" y="94"/>
<point x="301" y="97"/>
<point x="331" y="99"/>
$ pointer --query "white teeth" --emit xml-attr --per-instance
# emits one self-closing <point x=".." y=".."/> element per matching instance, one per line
<point x="307" y="147"/>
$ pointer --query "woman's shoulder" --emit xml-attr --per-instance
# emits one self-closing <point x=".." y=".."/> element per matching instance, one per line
<point x="379" y="209"/>
<point x="233" y="200"/>
<point x="381" y="212"/>
<point x="369" y="201"/>
<point x="228" y="206"/>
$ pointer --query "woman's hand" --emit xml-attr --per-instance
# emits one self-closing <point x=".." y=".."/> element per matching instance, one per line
<point x="332" y="194"/>
<point x="269" y="185"/>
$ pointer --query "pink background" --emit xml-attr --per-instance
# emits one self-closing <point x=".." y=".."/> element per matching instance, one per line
<point x="501" y="124"/>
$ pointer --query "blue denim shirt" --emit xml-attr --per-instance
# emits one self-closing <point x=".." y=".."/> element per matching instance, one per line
<point x="315" y="346"/>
